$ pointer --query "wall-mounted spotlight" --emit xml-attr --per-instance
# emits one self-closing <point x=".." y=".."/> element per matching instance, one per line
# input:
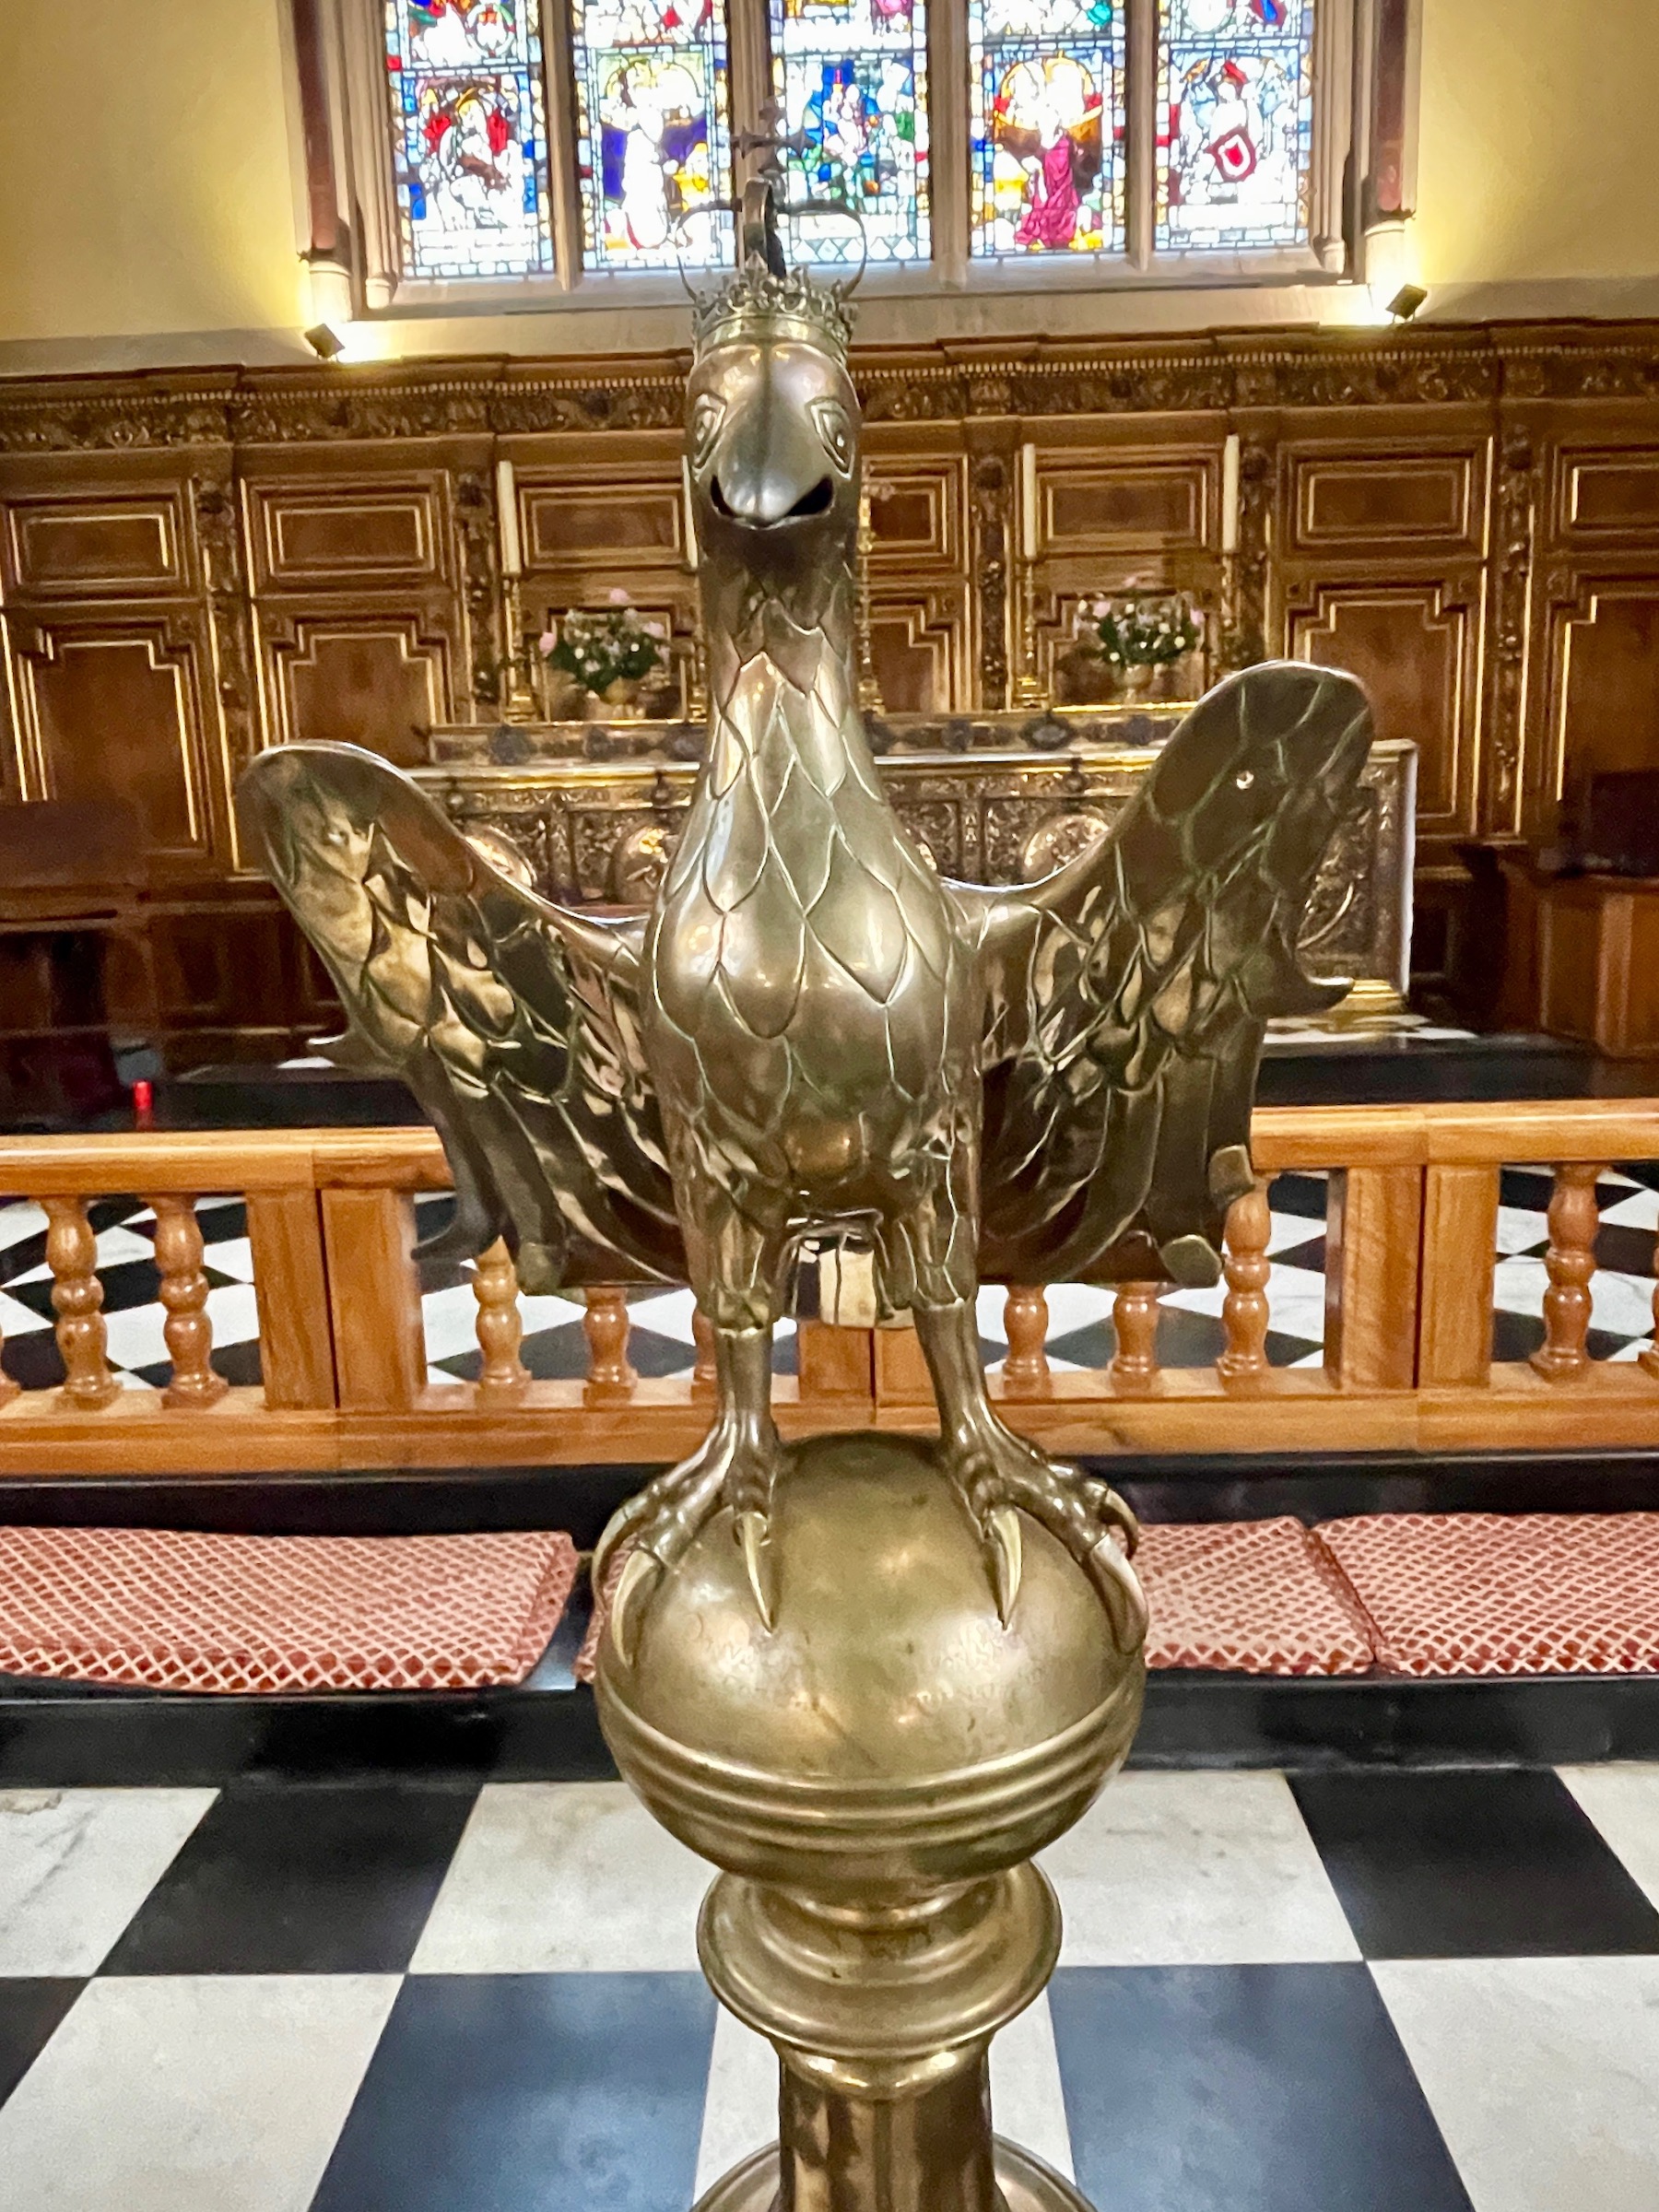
<point x="325" y="342"/>
<point x="1407" y="301"/>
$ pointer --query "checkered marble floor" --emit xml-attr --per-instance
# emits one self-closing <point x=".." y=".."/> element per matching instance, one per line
<point x="1377" y="1991"/>
<point x="1079" y="1325"/>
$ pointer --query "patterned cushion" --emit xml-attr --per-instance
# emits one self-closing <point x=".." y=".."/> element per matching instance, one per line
<point x="1500" y="1594"/>
<point x="1256" y="1597"/>
<point x="171" y="1611"/>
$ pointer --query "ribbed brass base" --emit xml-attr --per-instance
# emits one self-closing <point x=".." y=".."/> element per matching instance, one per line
<point x="1027" y="2185"/>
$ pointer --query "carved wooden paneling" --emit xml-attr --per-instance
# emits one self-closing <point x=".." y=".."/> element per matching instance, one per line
<point x="1605" y="679"/>
<point x="919" y="651"/>
<point x="321" y="534"/>
<point x="1360" y="500"/>
<point x="92" y="546"/>
<point x="1415" y="648"/>
<point x="1128" y="503"/>
<point x="372" y="681"/>
<point x="111" y="706"/>
<point x="917" y="513"/>
<point x="1608" y="496"/>
<point x="579" y="519"/>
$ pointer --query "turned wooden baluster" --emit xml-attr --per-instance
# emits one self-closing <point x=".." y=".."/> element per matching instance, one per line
<point x="610" y="1380"/>
<point x="1649" y="1355"/>
<point x="1135" y="1323"/>
<point x="704" y="1374"/>
<point x="1025" y="1324"/>
<point x="1570" y="1263"/>
<point x="76" y="1297"/>
<point x="500" y="1325"/>
<point x="9" y="1387"/>
<point x="1244" y="1309"/>
<point x="187" y="1329"/>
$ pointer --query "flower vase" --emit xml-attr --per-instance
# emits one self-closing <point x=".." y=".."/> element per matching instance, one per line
<point x="1134" y="679"/>
<point x="619" y="701"/>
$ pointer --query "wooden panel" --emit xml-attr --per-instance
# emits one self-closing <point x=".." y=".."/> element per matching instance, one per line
<point x="114" y="710"/>
<point x="373" y="680"/>
<point x="918" y="649"/>
<point x="1096" y="507"/>
<point x="1460" y="1245"/>
<point x="319" y="534"/>
<point x="374" y="1294"/>
<point x="99" y="546"/>
<point x="1382" y="498"/>
<point x="915" y="513"/>
<point x="1413" y="646"/>
<point x="1608" y="688"/>
<point x="291" y="1286"/>
<point x="1373" y="1233"/>
<point x="568" y="524"/>
<point x="1609" y="494"/>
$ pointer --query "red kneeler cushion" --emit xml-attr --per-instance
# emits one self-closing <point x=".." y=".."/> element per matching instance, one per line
<point x="165" y="1610"/>
<point x="1501" y="1594"/>
<point x="1254" y="1598"/>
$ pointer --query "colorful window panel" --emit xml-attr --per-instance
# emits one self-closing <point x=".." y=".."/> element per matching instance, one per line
<point x="469" y="137"/>
<point x="654" y="149"/>
<point x="1235" y="124"/>
<point x="852" y="78"/>
<point x="1047" y="126"/>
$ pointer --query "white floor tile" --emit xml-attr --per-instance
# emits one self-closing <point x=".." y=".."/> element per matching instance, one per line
<point x="1286" y="1231"/>
<point x="77" y="1865"/>
<point x="564" y="1878"/>
<point x="1622" y="1304"/>
<point x="1640" y="1210"/>
<point x="1541" y="2073"/>
<point x="1520" y="1229"/>
<point x="1194" y="1870"/>
<point x="191" y="2094"/>
<point x="22" y="1217"/>
<point x="18" y="1320"/>
<point x="1623" y="1801"/>
<point x="740" y="2106"/>
<point x="1028" y="2104"/>
<point x="231" y="1256"/>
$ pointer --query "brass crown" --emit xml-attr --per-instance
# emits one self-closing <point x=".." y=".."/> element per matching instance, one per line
<point x="756" y="303"/>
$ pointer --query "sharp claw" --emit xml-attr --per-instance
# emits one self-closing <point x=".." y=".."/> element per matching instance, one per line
<point x="634" y="1586"/>
<point x="614" y="1534"/>
<point x="751" y="1538"/>
<point x="1125" y="1518"/>
<point x="1008" y="1557"/>
<point x="1121" y="1594"/>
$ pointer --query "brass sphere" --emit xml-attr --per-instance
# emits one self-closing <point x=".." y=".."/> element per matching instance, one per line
<point x="888" y="1733"/>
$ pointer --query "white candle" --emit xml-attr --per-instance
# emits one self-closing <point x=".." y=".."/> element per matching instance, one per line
<point x="1230" y="493"/>
<point x="690" y="515"/>
<point x="513" y="556"/>
<point x="1028" y="499"/>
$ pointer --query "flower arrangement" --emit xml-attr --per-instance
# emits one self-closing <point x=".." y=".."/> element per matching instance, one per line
<point x="614" y="644"/>
<point x="1138" y="632"/>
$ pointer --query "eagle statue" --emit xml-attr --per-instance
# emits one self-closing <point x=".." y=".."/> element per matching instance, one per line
<point x="810" y="1034"/>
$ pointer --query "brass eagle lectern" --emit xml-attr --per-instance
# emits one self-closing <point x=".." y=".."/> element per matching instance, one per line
<point x="868" y="1677"/>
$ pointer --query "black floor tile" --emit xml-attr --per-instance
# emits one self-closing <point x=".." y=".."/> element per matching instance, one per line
<point x="534" y="2092"/>
<point x="23" y="1257"/>
<point x="34" y="1360"/>
<point x="1472" y="1865"/>
<point x="1244" y="2089"/>
<point x="1515" y="1335"/>
<point x="1528" y="1188"/>
<point x="298" y="1880"/>
<point x="1284" y="1352"/>
<point x="1302" y="1195"/>
<point x="1624" y="1250"/>
<point x="30" y="2012"/>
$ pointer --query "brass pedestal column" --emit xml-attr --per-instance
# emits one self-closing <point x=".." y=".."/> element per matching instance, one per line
<point x="875" y="1776"/>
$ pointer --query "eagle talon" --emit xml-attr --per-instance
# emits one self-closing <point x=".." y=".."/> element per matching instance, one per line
<point x="1006" y="1546"/>
<point x="750" y="1529"/>
<point x="638" y="1578"/>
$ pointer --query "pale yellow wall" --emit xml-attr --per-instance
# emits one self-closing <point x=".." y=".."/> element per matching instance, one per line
<point x="148" y="207"/>
<point x="148" y="185"/>
<point x="1536" y="154"/>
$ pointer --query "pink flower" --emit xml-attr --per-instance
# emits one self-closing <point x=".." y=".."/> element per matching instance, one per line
<point x="617" y="596"/>
<point x="547" y="642"/>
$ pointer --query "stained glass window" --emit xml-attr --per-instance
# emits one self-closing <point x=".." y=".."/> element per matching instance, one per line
<point x="1235" y="124"/>
<point x="1046" y="131"/>
<point x="850" y="76"/>
<point x="469" y="139"/>
<point x="655" y="150"/>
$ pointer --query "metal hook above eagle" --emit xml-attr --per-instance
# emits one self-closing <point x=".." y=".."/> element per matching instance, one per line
<point x="809" y="1032"/>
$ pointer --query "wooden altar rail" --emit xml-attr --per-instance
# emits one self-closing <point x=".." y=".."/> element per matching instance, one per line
<point x="1410" y="1252"/>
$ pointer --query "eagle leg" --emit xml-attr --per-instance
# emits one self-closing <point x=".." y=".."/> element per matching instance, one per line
<point x="1001" y="1476"/>
<point x="735" y="1465"/>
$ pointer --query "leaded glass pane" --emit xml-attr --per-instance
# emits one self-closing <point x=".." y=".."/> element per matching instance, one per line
<point x="469" y="137"/>
<point x="852" y="78"/>
<point x="1235" y="124"/>
<point x="1048" y="125"/>
<point x="653" y="149"/>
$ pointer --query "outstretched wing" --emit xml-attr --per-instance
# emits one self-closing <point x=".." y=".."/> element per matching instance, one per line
<point x="1127" y="994"/>
<point x="512" y="1020"/>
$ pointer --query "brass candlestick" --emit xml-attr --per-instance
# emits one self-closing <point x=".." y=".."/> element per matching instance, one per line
<point x="1029" y="688"/>
<point x="520" y="702"/>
